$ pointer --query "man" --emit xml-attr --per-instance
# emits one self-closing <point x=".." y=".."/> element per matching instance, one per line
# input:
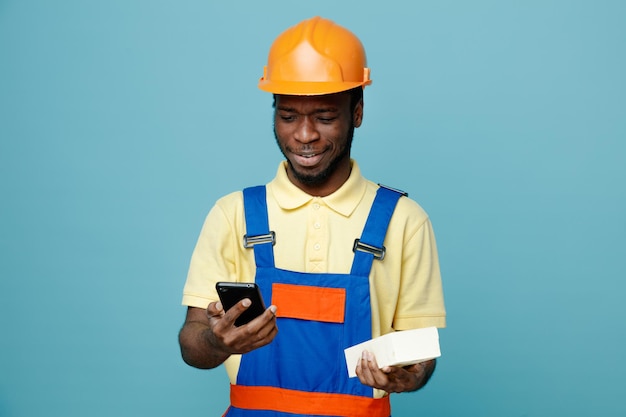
<point x="344" y="260"/>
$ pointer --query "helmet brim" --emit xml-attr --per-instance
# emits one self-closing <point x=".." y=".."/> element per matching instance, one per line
<point x="308" y="88"/>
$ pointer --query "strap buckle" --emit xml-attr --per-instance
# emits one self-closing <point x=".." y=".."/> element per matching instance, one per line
<point x="379" y="253"/>
<point x="404" y="193"/>
<point x="250" y="241"/>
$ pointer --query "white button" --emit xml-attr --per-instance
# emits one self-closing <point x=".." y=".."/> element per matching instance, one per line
<point x="316" y="206"/>
<point x="317" y="246"/>
<point x="317" y="225"/>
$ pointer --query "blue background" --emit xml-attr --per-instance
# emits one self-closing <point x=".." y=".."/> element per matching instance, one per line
<point x="121" y="122"/>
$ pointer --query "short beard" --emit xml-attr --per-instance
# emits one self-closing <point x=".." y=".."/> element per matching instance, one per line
<point x="322" y="177"/>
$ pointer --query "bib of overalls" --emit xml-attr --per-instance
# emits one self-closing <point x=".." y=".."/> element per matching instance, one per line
<point x="303" y="371"/>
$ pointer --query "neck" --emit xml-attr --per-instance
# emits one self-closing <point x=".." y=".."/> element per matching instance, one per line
<point x="326" y="187"/>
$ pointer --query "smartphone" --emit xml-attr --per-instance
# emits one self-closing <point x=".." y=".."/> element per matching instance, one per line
<point x="231" y="293"/>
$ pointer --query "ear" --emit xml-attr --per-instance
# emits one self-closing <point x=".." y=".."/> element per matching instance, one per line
<point x="357" y="115"/>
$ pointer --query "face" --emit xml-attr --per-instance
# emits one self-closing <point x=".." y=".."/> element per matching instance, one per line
<point x="315" y="133"/>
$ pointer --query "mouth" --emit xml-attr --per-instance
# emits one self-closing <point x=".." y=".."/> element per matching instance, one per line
<point x="308" y="159"/>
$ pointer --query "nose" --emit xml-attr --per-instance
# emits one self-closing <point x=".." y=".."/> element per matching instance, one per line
<point x="306" y="130"/>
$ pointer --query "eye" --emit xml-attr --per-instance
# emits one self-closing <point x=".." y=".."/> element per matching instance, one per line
<point x="326" y="119"/>
<point x="287" y="117"/>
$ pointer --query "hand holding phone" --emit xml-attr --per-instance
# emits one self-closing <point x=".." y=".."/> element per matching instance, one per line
<point x="230" y="293"/>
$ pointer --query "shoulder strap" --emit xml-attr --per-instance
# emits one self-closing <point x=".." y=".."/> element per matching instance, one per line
<point x="258" y="235"/>
<point x="370" y="245"/>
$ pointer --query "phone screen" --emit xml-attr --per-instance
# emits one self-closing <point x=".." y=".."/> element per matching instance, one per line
<point x="231" y="293"/>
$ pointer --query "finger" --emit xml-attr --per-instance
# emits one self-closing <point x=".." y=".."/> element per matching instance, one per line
<point x="265" y="339"/>
<point x="258" y="332"/>
<point x="360" y="372"/>
<point x="235" y="311"/>
<point x="214" y="309"/>
<point x="364" y="370"/>
<point x="267" y="316"/>
<point x="377" y="377"/>
<point x="264" y="327"/>
<point x="371" y="361"/>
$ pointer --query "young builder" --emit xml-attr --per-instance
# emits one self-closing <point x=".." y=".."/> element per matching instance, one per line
<point x="340" y="259"/>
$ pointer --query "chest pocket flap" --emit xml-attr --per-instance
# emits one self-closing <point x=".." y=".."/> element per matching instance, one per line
<point x="309" y="302"/>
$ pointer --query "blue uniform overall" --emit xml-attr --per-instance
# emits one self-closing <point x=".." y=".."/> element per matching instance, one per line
<point x="303" y="370"/>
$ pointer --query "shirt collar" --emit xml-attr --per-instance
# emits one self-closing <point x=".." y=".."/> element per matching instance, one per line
<point x="343" y="201"/>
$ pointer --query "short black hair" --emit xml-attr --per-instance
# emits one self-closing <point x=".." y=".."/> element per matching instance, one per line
<point x="356" y="95"/>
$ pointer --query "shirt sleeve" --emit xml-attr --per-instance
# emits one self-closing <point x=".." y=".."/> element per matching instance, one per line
<point x="213" y="259"/>
<point x="420" y="297"/>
